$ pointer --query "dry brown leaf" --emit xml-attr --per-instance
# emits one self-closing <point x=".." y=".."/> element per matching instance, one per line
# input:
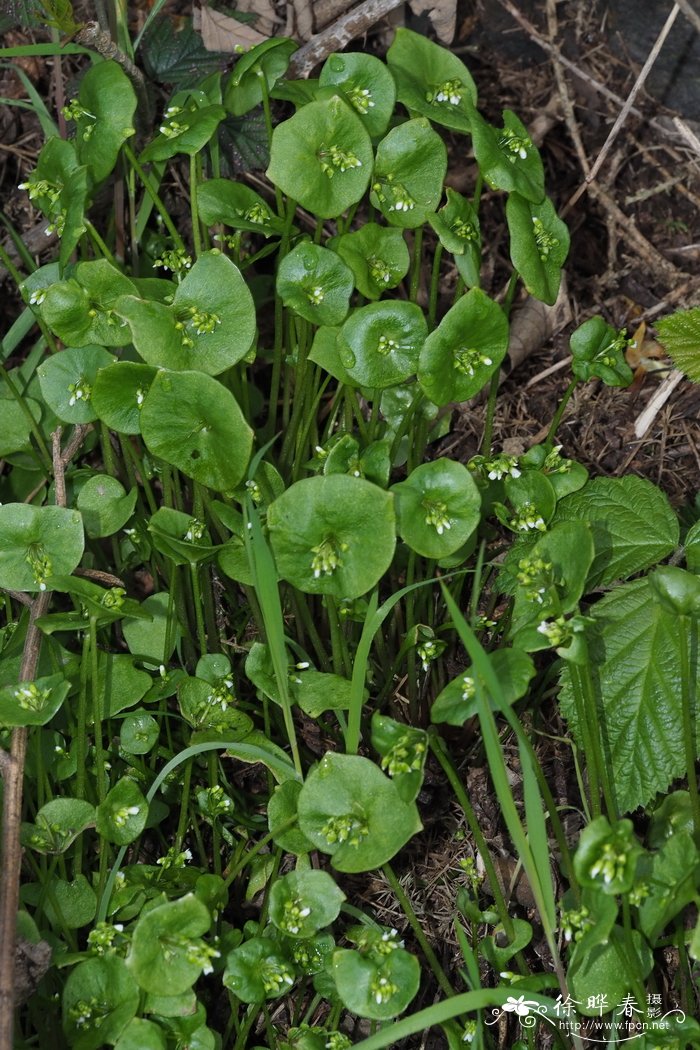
<point x="304" y="19"/>
<point x="225" y="34"/>
<point x="267" y="20"/>
<point x="443" y="15"/>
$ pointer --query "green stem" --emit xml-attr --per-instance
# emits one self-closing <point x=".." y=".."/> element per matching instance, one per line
<point x="195" y="173"/>
<point x="100" y="757"/>
<point x="153" y="194"/>
<point x="95" y="236"/>
<point x="496" y="377"/>
<point x="560" y="409"/>
<point x="268" y="126"/>
<point x="688" y="677"/>
<point x="417" y="260"/>
<point x="198" y="610"/>
<point x="434" y="286"/>
<point x="407" y="908"/>
<point x="439" y="749"/>
<point x="184" y="805"/>
<point x="33" y="425"/>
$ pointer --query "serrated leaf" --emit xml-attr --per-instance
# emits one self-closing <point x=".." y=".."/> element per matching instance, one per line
<point x="636" y="653"/>
<point x="680" y="335"/>
<point x="632" y="522"/>
<point x="177" y="56"/>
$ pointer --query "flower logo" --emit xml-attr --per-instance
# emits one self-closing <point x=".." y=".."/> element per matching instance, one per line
<point x="520" y="1006"/>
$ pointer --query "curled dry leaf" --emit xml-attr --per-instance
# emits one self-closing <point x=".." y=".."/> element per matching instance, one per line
<point x="443" y="15"/>
<point x="224" y="34"/>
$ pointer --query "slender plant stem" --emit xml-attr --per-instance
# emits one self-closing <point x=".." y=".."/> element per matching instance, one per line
<point x="407" y="908"/>
<point x="195" y="174"/>
<point x="688" y="674"/>
<point x="417" y="263"/>
<point x="434" y="286"/>
<point x="561" y="408"/>
<point x="148" y="183"/>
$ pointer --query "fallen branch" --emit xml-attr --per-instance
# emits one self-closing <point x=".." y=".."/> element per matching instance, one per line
<point x="338" y="35"/>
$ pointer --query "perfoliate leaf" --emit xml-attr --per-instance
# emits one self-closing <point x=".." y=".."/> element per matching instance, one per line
<point x="539" y="244"/>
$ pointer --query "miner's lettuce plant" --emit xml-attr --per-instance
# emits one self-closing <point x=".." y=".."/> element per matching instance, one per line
<point x="256" y="534"/>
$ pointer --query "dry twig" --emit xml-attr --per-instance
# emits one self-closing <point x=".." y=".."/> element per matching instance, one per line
<point x="337" y="36"/>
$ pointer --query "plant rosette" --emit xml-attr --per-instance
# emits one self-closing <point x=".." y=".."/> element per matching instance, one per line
<point x="333" y="535"/>
<point x="438" y="508"/>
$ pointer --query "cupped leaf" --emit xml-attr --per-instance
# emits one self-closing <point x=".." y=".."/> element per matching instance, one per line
<point x="236" y="205"/>
<point x="348" y="808"/>
<point x="438" y="508"/>
<point x="118" y="392"/>
<point x="431" y="80"/>
<point x="122" y="816"/>
<point x="104" y="117"/>
<point x="465" y="350"/>
<point x="193" y="422"/>
<point x="212" y="705"/>
<point x="403" y="750"/>
<point x="66" y="380"/>
<point x="457" y="226"/>
<point x="325" y="351"/>
<point x="15" y="435"/>
<point x="138" y="734"/>
<point x="366" y="84"/>
<point x="598" y="349"/>
<point x="155" y="639"/>
<point x="539" y="245"/>
<point x="209" y="327"/>
<point x="304" y="901"/>
<point x="507" y="158"/>
<point x="58" y="185"/>
<point x="70" y="904"/>
<point x="120" y="683"/>
<point x="281" y="818"/>
<point x="458" y="701"/>
<point x="636" y="651"/>
<point x="180" y="537"/>
<point x="408" y="173"/>
<point x="632" y="523"/>
<point x="376" y="988"/>
<point x="608" y="965"/>
<point x="80" y="310"/>
<point x="167" y="955"/>
<point x="100" y="998"/>
<point x="58" y="824"/>
<point x="333" y="535"/>
<point x="380" y="343"/>
<point x="322" y="157"/>
<point x="315" y="283"/>
<point x="268" y="60"/>
<point x="377" y="255"/>
<point x="37" y="543"/>
<point x="32" y="703"/>
<point x="259" y="969"/>
<point x="185" y="129"/>
<point x="141" y="1034"/>
<point x="105" y="505"/>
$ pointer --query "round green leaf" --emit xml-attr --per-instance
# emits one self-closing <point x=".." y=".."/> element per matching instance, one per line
<point x="465" y="350"/>
<point x="180" y="537"/>
<point x="167" y="955"/>
<point x="32" y="703"/>
<point x="138" y="734"/>
<point x="258" y="970"/>
<point x="316" y="692"/>
<point x="408" y="173"/>
<point x="438" y="508"/>
<point x="194" y="423"/>
<point x="104" y="118"/>
<point x="100" y="998"/>
<point x="325" y="351"/>
<point x="348" y="808"/>
<point x="367" y="86"/>
<point x="380" y="343"/>
<point x="36" y="543"/>
<point x="609" y="965"/>
<point x="315" y="283"/>
<point x="184" y="130"/>
<point x="59" y="187"/>
<point x="207" y="705"/>
<point x="118" y="393"/>
<point x="377" y="255"/>
<point x="15" y="435"/>
<point x="457" y="226"/>
<point x="458" y="701"/>
<point x="539" y="245"/>
<point x="268" y="60"/>
<point x="58" y="824"/>
<point x="141" y="1034"/>
<point x="122" y="816"/>
<point x="70" y="904"/>
<point x="333" y="535"/>
<point x="372" y="988"/>
<point x="66" y="381"/>
<point x="209" y="327"/>
<point x="507" y="157"/>
<point x="120" y="683"/>
<point x="281" y="810"/>
<point x="304" y="901"/>
<point x="154" y="640"/>
<point x="236" y="205"/>
<point x="322" y="157"/>
<point x="431" y="80"/>
<point x="105" y="505"/>
<point x="81" y="310"/>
